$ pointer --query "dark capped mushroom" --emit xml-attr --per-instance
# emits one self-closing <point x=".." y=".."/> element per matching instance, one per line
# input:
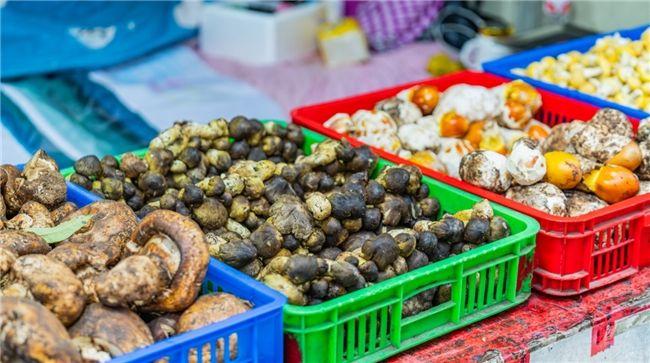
<point x="383" y="250"/>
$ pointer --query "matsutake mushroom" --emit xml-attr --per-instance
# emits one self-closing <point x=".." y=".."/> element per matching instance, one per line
<point x="166" y="273"/>
<point x="102" y="333"/>
<point x="31" y="333"/>
<point x="41" y="181"/>
<point x="100" y="244"/>
<point x="210" y="309"/>
<point x="49" y="282"/>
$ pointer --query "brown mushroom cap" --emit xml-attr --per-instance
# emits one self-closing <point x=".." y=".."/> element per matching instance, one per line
<point x="11" y="199"/>
<point x="39" y="214"/>
<point x="116" y="331"/>
<point x="23" y="242"/>
<point x="191" y="243"/>
<point x="30" y="332"/>
<point x="209" y="309"/>
<point x="134" y="281"/>
<point x="50" y="282"/>
<point x="7" y="259"/>
<point x="62" y="211"/>
<point x="101" y="242"/>
<point x="41" y="181"/>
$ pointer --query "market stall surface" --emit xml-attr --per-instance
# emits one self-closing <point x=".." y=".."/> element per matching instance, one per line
<point x="608" y="324"/>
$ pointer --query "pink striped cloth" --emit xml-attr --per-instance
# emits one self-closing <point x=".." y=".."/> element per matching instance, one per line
<point x="389" y="24"/>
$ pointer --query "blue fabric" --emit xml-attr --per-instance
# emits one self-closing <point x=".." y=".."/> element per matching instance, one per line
<point x="16" y="124"/>
<point x="111" y="106"/>
<point x="52" y="114"/>
<point x="44" y="36"/>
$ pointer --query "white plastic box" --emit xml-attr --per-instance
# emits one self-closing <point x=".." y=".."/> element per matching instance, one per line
<point x="260" y="38"/>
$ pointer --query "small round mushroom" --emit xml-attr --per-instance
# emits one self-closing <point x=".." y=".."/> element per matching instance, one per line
<point x="319" y="206"/>
<point x="31" y="333"/>
<point x="347" y="204"/>
<point x="132" y="166"/>
<point x="476" y="231"/>
<point x="295" y="294"/>
<point x="237" y="253"/>
<point x="267" y="240"/>
<point x="382" y="250"/>
<point x="401" y="111"/>
<point x="290" y="216"/>
<point x="452" y="152"/>
<point x="526" y="164"/>
<point x="598" y="142"/>
<point x="499" y="229"/>
<point x="88" y="166"/>
<point x="486" y="169"/>
<point x="211" y="214"/>
<point x="102" y="332"/>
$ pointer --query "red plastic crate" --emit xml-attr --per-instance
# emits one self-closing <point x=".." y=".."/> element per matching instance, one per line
<point x="574" y="254"/>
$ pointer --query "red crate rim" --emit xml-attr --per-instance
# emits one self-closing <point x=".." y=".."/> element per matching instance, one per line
<point x="296" y="115"/>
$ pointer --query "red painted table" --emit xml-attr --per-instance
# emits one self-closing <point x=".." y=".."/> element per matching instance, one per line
<point x="533" y="329"/>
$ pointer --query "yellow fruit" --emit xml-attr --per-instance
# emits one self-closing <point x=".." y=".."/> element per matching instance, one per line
<point x="612" y="183"/>
<point x="562" y="169"/>
<point x="493" y="142"/>
<point x="426" y="98"/>
<point x="537" y="132"/>
<point x="629" y="157"/>
<point x="453" y="125"/>
<point x="428" y="159"/>
<point x="475" y="133"/>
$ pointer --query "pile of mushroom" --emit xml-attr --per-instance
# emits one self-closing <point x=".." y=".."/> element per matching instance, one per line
<point x="436" y="129"/>
<point x="579" y="168"/>
<point x="312" y="226"/>
<point x="615" y="68"/>
<point x="90" y="297"/>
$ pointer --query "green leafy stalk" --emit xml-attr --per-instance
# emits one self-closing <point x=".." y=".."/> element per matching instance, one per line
<point x="63" y="230"/>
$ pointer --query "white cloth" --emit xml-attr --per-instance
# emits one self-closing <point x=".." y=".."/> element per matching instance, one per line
<point x="175" y="84"/>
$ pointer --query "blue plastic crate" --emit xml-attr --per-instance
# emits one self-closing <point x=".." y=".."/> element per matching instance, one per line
<point x="504" y="66"/>
<point x="259" y="331"/>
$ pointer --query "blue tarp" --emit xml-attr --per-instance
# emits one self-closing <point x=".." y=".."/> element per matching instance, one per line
<point x="47" y="36"/>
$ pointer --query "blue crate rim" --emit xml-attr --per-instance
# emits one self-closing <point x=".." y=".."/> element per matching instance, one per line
<point x="503" y="67"/>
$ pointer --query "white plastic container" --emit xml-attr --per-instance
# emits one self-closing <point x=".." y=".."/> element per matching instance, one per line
<point x="260" y="38"/>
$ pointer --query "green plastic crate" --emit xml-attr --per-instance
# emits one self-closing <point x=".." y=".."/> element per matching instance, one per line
<point x="367" y="325"/>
